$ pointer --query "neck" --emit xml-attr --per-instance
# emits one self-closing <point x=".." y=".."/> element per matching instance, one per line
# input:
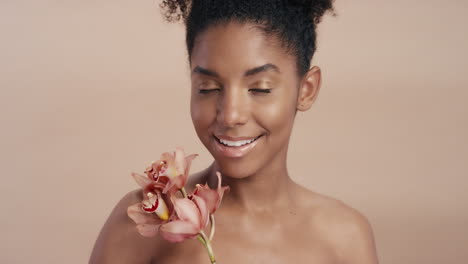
<point x="266" y="190"/>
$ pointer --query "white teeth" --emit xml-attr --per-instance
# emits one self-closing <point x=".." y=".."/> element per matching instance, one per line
<point x="236" y="143"/>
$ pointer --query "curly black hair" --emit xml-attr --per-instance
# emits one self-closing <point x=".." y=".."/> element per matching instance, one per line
<point x="293" y="22"/>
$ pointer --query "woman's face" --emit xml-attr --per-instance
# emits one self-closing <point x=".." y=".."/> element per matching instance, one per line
<point x="244" y="98"/>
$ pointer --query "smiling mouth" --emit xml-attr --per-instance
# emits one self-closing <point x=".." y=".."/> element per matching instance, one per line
<point x="236" y="143"/>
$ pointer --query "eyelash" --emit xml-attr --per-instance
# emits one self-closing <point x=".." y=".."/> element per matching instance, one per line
<point x="206" y="91"/>
<point x="254" y="90"/>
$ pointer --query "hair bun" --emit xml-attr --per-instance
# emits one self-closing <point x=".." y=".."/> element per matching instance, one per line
<point x="315" y="8"/>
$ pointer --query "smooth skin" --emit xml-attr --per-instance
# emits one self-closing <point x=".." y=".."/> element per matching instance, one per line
<point x="266" y="217"/>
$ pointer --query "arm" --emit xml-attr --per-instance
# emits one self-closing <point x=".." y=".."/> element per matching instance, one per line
<point x="119" y="241"/>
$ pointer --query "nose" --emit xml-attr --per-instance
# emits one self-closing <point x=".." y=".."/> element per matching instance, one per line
<point x="232" y="108"/>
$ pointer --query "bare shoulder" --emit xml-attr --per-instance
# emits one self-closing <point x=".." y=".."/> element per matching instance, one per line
<point x="119" y="240"/>
<point x="347" y="229"/>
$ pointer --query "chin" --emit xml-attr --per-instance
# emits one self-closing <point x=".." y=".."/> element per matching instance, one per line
<point x="232" y="171"/>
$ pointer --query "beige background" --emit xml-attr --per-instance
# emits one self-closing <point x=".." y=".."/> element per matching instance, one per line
<point x="92" y="90"/>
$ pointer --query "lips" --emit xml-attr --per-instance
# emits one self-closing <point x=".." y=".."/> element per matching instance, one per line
<point x="235" y="147"/>
<point x="235" y="142"/>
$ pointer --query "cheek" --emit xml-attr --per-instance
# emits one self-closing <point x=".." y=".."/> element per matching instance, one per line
<point x="278" y="116"/>
<point x="202" y="114"/>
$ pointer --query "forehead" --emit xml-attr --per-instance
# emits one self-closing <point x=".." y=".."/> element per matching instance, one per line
<point x="234" y="47"/>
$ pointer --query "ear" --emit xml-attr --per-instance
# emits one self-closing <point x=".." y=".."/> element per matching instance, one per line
<point x="309" y="88"/>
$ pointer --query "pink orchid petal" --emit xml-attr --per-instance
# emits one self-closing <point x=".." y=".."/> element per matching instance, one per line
<point x="187" y="211"/>
<point x="141" y="180"/>
<point x="153" y="187"/>
<point x="168" y="158"/>
<point x="162" y="210"/>
<point x="171" y="170"/>
<point x="178" y="166"/>
<point x="172" y="185"/>
<point x="184" y="217"/>
<point x="151" y="204"/>
<point x="136" y="213"/>
<point x="212" y="197"/>
<point x="148" y="230"/>
<point x="179" y="160"/>
<point x="151" y="172"/>
<point x="177" y="182"/>
<point x="178" y="231"/>
<point x="188" y="161"/>
<point x="220" y="189"/>
<point x="204" y="213"/>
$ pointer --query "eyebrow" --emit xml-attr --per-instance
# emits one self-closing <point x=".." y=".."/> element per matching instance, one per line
<point x="204" y="71"/>
<point x="250" y="72"/>
<point x="262" y="68"/>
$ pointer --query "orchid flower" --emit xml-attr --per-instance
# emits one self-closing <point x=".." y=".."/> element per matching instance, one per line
<point x="211" y="197"/>
<point x="172" y="168"/>
<point x="175" y="219"/>
<point x="192" y="218"/>
<point x="193" y="213"/>
<point x="155" y="209"/>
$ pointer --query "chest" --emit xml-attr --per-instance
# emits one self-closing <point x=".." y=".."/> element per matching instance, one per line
<point x="234" y="245"/>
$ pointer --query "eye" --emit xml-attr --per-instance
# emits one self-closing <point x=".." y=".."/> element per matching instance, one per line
<point x="207" y="91"/>
<point x="258" y="90"/>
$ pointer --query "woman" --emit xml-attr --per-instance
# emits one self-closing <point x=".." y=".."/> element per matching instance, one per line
<point x="250" y="74"/>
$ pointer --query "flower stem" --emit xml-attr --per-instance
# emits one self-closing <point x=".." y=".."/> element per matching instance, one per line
<point x="208" y="248"/>
<point x="200" y="238"/>
<point x="184" y="193"/>
<point x="212" y="224"/>
<point x="210" y="253"/>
